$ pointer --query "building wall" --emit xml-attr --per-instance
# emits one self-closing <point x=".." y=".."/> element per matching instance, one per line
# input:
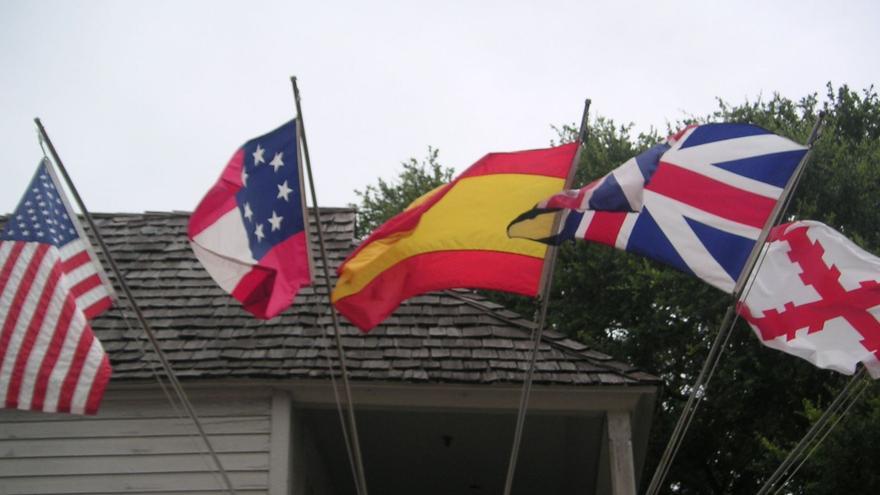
<point x="283" y="439"/>
<point x="139" y="443"/>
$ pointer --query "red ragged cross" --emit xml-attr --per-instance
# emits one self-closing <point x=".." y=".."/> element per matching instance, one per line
<point x="835" y="301"/>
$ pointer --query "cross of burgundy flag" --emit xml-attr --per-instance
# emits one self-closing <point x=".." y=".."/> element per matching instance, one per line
<point x="250" y="230"/>
<point x="51" y="284"/>
<point x="817" y="296"/>
<point x="697" y="201"/>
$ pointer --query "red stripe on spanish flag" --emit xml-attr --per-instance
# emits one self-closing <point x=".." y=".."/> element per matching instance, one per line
<point x="455" y="236"/>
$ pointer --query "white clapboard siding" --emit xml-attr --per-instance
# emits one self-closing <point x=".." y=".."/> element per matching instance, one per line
<point x="137" y="444"/>
<point x="150" y="482"/>
<point x="163" y="444"/>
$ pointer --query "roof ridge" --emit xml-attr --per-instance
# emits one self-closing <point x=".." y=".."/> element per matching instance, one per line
<point x="176" y="213"/>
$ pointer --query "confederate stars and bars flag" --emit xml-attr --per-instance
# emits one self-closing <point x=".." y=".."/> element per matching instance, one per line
<point x="250" y="231"/>
<point x="697" y="201"/>
<point x="51" y="284"/>
<point x="816" y="295"/>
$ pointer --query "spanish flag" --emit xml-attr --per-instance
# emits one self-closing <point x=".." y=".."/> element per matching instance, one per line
<point x="455" y="236"/>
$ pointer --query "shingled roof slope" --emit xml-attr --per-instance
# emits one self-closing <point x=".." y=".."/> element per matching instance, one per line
<point x="450" y="336"/>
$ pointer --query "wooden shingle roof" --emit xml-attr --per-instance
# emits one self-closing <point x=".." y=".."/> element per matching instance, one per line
<point x="453" y="336"/>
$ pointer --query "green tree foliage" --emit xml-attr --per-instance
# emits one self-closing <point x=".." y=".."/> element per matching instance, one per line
<point x="847" y="461"/>
<point x="760" y="401"/>
<point x="663" y="321"/>
<point x="385" y="199"/>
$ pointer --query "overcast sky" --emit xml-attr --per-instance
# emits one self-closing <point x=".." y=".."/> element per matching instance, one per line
<point x="147" y="100"/>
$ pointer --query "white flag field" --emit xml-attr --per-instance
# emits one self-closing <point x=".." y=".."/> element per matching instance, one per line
<point x="817" y="296"/>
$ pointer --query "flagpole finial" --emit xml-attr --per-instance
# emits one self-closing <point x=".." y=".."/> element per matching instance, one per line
<point x="818" y="127"/>
<point x="40" y="132"/>
<point x="40" y="140"/>
<point x="582" y="132"/>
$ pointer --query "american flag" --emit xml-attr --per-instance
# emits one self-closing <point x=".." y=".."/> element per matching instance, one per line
<point x="50" y="286"/>
<point x="698" y="201"/>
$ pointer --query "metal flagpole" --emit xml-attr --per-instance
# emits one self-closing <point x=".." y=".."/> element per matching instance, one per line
<point x="361" y="478"/>
<point x="346" y="437"/>
<point x="852" y="398"/>
<point x="820" y="427"/>
<point x="166" y="365"/>
<point x="544" y="295"/>
<point x="698" y="388"/>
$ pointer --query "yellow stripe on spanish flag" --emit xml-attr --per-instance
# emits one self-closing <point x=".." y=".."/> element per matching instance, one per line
<point x="455" y="236"/>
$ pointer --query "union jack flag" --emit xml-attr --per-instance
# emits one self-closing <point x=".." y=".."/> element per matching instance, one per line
<point x="697" y="202"/>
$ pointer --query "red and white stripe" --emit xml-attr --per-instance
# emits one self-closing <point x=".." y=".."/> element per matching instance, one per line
<point x="52" y="361"/>
<point x="84" y="278"/>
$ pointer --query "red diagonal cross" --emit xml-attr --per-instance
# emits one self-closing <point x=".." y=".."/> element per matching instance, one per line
<point x="835" y="300"/>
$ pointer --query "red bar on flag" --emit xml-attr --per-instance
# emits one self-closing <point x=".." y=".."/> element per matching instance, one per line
<point x="250" y="231"/>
